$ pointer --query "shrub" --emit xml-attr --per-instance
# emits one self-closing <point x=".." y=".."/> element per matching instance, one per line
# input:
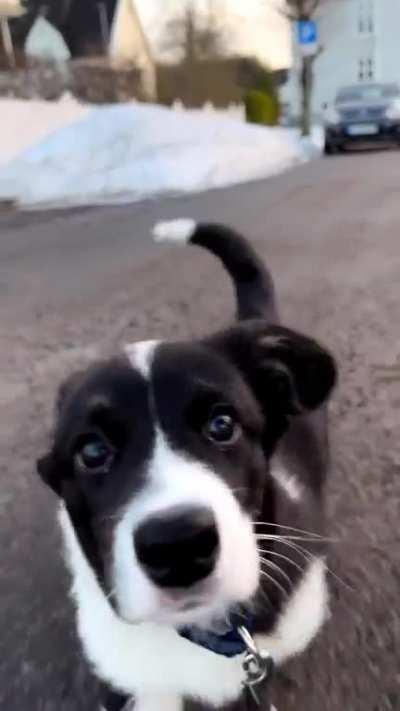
<point x="262" y="108"/>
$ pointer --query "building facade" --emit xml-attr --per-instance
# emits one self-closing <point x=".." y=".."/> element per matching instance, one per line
<point x="129" y="44"/>
<point x="360" y="43"/>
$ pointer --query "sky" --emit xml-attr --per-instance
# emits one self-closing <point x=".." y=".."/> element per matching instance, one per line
<point x="253" y="26"/>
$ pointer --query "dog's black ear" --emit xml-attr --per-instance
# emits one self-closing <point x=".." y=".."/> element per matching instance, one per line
<point x="47" y="469"/>
<point x="68" y="387"/>
<point x="298" y="373"/>
<point x="288" y="371"/>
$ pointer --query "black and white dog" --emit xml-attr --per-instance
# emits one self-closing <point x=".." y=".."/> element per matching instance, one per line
<point x="191" y="478"/>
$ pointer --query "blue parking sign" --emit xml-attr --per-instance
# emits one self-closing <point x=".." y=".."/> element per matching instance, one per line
<point x="307" y="36"/>
<point x="307" y="32"/>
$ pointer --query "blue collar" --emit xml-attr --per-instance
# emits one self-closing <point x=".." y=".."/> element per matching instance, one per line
<point x="228" y="644"/>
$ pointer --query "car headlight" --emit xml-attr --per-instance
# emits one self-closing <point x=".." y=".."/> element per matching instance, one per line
<point x="332" y="117"/>
<point x="393" y="111"/>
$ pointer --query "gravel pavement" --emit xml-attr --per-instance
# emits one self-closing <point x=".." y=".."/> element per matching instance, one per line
<point x="77" y="284"/>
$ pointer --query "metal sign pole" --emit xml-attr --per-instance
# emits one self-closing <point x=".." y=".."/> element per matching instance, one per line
<point x="7" y="41"/>
<point x="104" y="25"/>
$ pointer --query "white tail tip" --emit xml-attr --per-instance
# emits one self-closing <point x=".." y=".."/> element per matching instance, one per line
<point x="179" y="231"/>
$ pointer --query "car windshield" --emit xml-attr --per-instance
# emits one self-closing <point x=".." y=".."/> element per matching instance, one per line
<point x="374" y="92"/>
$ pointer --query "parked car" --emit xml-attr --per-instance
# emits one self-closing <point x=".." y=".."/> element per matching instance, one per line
<point x="364" y="113"/>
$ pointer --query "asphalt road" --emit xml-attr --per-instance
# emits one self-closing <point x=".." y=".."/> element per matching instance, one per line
<point x="76" y="284"/>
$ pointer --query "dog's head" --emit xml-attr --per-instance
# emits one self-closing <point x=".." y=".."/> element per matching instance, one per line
<point x="161" y="457"/>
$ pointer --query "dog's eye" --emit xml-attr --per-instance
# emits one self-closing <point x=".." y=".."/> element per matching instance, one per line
<point x="222" y="427"/>
<point x="94" y="454"/>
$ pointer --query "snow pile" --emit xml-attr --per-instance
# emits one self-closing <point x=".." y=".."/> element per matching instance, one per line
<point x="24" y="123"/>
<point x="133" y="151"/>
<point x="314" y="144"/>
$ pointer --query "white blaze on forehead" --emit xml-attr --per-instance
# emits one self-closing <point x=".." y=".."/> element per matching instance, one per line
<point x="141" y="355"/>
<point x="172" y="479"/>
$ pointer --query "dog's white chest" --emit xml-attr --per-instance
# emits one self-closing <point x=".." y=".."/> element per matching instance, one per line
<point x="158" y="703"/>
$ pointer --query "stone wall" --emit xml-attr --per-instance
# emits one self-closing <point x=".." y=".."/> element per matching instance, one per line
<point x="97" y="81"/>
<point x="44" y="81"/>
<point x="93" y="80"/>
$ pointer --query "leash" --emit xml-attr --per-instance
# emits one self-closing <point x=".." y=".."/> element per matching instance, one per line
<point x="258" y="667"/>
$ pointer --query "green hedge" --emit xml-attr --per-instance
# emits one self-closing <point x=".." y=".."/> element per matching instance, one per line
<point x="262" y="108"/>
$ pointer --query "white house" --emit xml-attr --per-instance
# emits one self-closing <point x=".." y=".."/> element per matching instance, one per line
<point x="360" y="42"/>
<point x="129" y="44"/>
<point x="11" y="8"/>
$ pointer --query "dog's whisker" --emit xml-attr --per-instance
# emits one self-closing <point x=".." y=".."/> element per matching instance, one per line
<point x="306" y="554"/>
<point x="313" y="539"/>
<point x="287" y="528"/>
<point x="273" y="566"/>
<point x="275" y="582"/>
<point x="283" y="557"/>
<point x="336" y="577"/>
<point x="266" y="597"/>
<point x="310" y="556"/>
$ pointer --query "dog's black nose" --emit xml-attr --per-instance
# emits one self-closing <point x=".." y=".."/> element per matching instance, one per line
<point x="178" y="547"/>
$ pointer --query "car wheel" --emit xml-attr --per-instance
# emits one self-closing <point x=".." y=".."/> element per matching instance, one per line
<point x="329" y="149"/>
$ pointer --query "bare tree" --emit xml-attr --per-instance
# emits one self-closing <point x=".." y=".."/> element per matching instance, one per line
<point x="193" y="37"/>
<point x="296" y="11"/>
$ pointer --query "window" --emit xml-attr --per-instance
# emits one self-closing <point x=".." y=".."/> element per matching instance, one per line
<point x="366" y="69"/>
<point x="371" y="18"/>
<point x="366" y="17"/>
<point x="374" y="92"/>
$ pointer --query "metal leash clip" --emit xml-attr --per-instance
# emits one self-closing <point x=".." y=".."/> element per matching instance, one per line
<point x="257" y="665"/>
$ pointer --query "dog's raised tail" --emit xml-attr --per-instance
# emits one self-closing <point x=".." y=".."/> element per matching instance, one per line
<point x="252" y="280"/>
